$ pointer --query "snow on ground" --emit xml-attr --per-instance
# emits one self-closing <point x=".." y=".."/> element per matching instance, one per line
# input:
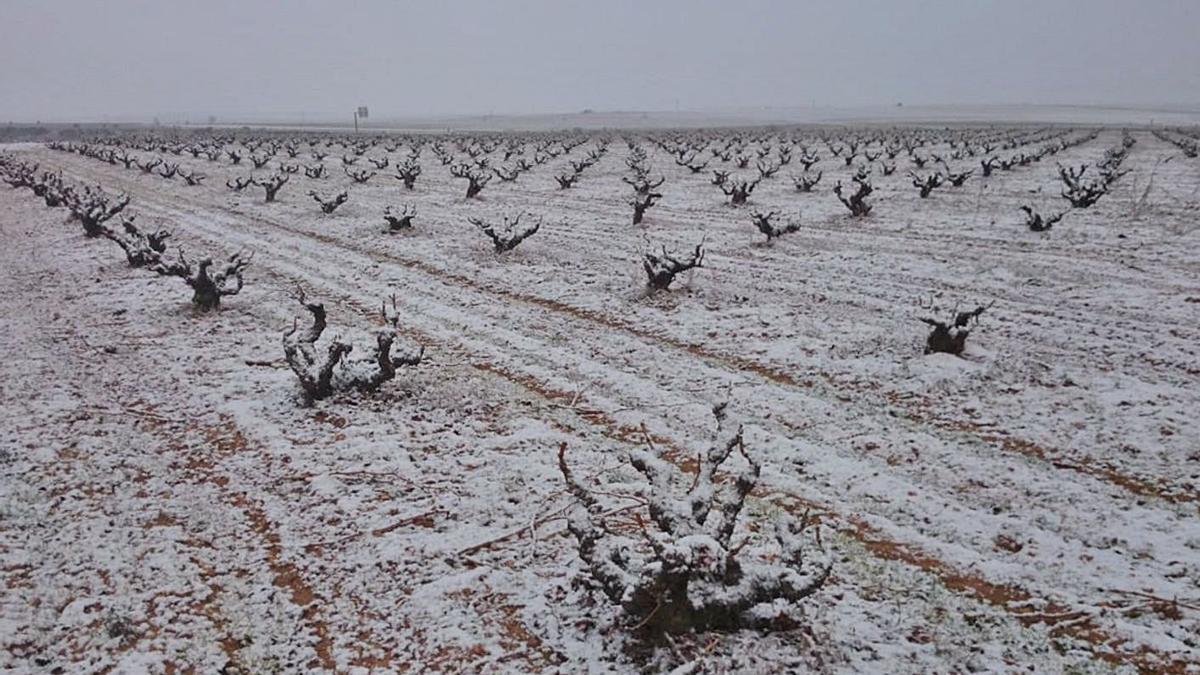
<point x="167" y="506"/>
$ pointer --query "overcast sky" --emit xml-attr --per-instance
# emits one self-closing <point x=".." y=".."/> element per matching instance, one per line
<point x="114" y="59"/>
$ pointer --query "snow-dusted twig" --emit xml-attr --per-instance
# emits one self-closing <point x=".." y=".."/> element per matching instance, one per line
<point x="662" y="268"/>
<point x="684" y="572"/>
<point x="208" y="287"/>
<point x="320" y="375"/>
<point x="507" y="237"/>
<point x="951" y="337"/>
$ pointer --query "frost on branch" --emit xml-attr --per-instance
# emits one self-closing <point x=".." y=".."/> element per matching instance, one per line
<point x="738" y="191"/>
<point x="641" y="202"/>
<point x="149" y="165"/>
<point x="661" y="269"/>
<point x="683" y="571"/>
<point x="642" y="185"/>
<point x="926" y="184"/>
<point x="92" y="208"/>
<point x="506" y="174"/>
<point x="1039" y="223"/>
<point x="359" y="176"/>
<point x="951" y="338"/>
<point x="399" y="221"/>
<point x="271" y="184"/>
<point x="806" y="182"/>
<point x="238" y="184"/>
<point x="329" y="205"/>
<point x="762" y="221"/>
<point x="1081" y="194"/>
<point x="208" y="286"/>
<point x="17" y="174"/>
<point x="322" y="373"/>
<point x="477" y="179"/>
<point x="52" y="189"/>
<point x="507" y="237"/>
<point x="141" y="248"/>
<point x="192" y="177"/>
<point x="767" y="169"/>
<point x="857" y="202"/>
<point x="957" y="179"/>
<point x="408" y="172"/>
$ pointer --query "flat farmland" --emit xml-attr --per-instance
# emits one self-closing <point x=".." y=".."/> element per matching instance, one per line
<point x="171" y="503"/>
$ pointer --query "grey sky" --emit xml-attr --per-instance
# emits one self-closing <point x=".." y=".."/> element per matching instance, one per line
<point x="78" y="59"/>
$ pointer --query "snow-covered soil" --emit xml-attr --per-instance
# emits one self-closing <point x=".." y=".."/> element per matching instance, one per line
<point x="167" y="505"/>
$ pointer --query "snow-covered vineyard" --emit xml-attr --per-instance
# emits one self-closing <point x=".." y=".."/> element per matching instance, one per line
<point x="877" y="399"/>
